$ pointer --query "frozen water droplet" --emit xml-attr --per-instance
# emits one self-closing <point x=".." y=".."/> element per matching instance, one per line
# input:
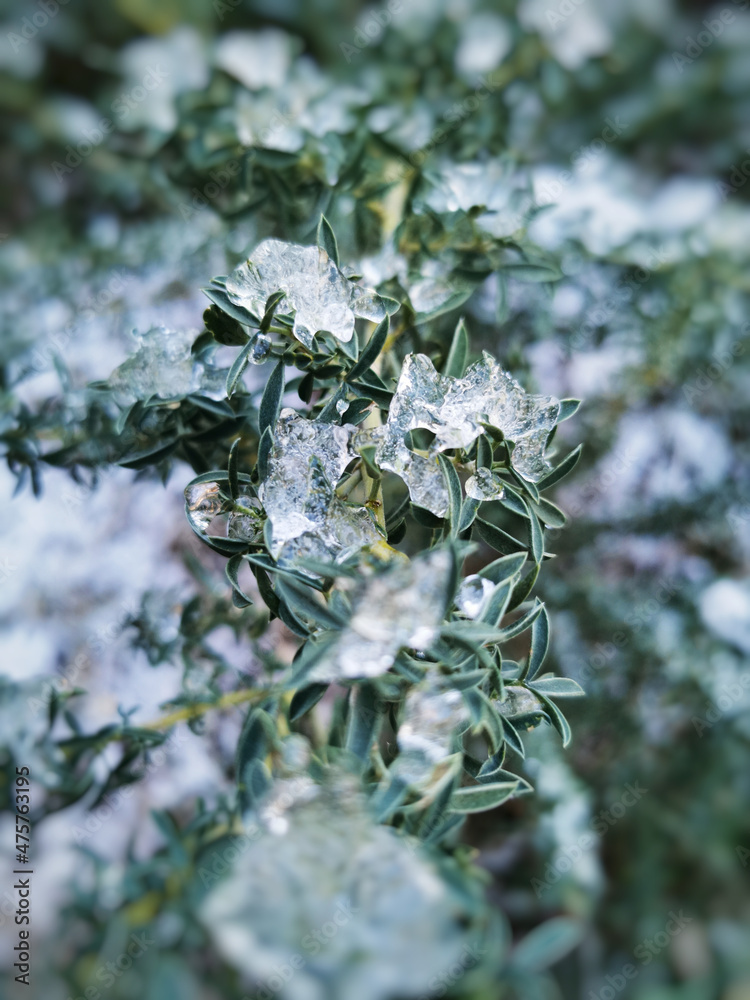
<point x="203" y="503"/>
<point x="260" y="349"/>
<point x="485" y="485"/>
<point x="341" y="406"/>
<point x="518" y="701"/>
<point x="472" y="594"/>
<point x="316" y="291"/>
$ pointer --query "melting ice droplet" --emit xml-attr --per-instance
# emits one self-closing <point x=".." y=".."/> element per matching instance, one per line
<point x="203" y="503"/>
<point x="472" y="594"/>
<point x="485" y="485"/>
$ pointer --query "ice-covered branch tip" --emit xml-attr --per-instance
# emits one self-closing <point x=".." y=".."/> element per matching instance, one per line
<point x="321" y="296"/>
<point x="454" y="409"/>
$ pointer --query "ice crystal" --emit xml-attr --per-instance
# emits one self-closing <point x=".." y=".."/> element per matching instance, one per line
<point x="307" y="518"/>
<point x="485" y="485"/>
<point x="431" y="718"/>
<point x="401" y="607"/>
<point x="472" y="594"/>
<point x="203" y="504"/>
<point x="164" y="366"/>
<point x="454" y="410"/>
<point x="335" y="867"/>
<point x="319" y="294"/>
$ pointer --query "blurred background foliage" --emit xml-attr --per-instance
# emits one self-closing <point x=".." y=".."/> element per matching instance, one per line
<point x="615" y="138"/>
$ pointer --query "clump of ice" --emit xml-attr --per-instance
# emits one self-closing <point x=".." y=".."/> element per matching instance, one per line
<point x="431" y="720"/>
<point x="454" y="409"/>
<point x="319" y="294"/>
<point x="335" y="867"/>
<point x="163" y="366"/>
<point x="399" y="608"/>
<point x="298" y="494"/>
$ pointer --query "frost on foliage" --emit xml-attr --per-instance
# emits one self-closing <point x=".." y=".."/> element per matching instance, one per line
<point x="452" y="409"/>
<point x="518" y="701"/>
<point x="334" y="867"/>
<point x="164" y="366"/>
<point x="320" y="295"/>
<point x="307" y="518"/>
<point x="399" y="608"/>
<point x="430" y="721"/>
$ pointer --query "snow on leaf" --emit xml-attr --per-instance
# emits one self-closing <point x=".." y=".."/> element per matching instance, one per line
<point x="319" y="294"/>
<point x="455" y="409"/>
<point x="399" y="608"/>
<point x="298" y="494"/>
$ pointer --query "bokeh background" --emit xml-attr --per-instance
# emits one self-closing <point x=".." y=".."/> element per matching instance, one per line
<point x="628" y="130"/>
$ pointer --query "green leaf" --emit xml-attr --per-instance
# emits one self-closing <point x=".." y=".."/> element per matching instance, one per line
<point x="558" y="687"/>
<point x="547" y="944"/>
<point x="498" y="539"/>
<point x="455" y="363"/>
<point x="372" y="349"/>
<point x="533" y="272"/>
<point x="536" y="535"/>
<point x="264" y="451"/>
<point x="567" y="408"/>
<point x="469" y="509"/>
<point x="329" y="414"/>
<point x="304" y="699"/>
<point x="233" y="470"/>
<point x="454" y="492"/>
<point x="497" y="602"/>
<point x="220" y="298"/>
<point x="239" y="364"/>
<point x="503" y="568"/>
<point x="557" y="719"/>
<point x="480" y="798"/>
<point x="327" y="240"/>
<point x="271" y="401"/>
<point x="254" y="740"/>
<point x="539" y="644"/>
<point x="364" y="720"/>
<point x="524" y="587"/>
<point x="560" y="471"/>
<point x="519" y="626"/>
<point x="301" y="602"/>
<point x="232" y="569"/>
